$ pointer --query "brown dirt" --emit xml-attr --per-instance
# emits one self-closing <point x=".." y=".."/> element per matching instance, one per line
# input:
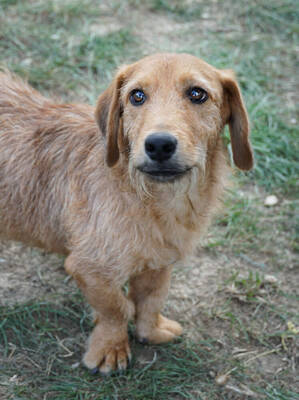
<point x="196" y="299"/>
<point x="27" y="273"/>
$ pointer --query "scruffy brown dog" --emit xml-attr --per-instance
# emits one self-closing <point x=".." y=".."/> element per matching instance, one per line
<point x="124" y="194"/>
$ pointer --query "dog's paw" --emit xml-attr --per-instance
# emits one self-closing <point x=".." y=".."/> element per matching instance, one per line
<point x="164" y="331"/>
<point x="107" y="353"/>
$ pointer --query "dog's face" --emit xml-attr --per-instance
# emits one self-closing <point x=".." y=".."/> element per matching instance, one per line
<point x="167" y="111"/>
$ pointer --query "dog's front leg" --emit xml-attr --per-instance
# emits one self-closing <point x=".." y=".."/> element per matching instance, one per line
<point x="148" y="291"/>
<point x="108" y="346"/>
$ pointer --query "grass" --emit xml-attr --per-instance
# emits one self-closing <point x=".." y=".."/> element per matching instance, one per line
<point x="62" y="59"/>
<point x="71" y="49"/>
<point x="178" y="9"/>
<point x="46" y="338"/>
<point x="171" y="364"/>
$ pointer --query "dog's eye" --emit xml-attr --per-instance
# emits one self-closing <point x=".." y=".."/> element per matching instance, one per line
<point x="137" y="97"/>
<point x="197" y="95"/>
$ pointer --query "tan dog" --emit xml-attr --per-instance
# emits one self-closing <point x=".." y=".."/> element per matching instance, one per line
<point x="127" y="201"/>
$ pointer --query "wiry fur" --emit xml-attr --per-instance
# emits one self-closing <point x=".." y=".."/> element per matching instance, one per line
<point x="113" y="223"/>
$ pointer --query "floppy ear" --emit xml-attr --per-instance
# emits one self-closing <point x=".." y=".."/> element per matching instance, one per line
<point x="108" y="113"/>
<point x="237" y="119"/>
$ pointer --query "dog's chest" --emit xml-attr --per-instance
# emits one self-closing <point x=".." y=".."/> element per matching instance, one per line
<point x="171" y="229"/>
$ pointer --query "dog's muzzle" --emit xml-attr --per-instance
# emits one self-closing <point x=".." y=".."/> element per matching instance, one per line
<point x="161" y="164"/>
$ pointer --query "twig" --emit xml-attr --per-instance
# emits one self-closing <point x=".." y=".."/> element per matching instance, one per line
<point x="262" y="355"/>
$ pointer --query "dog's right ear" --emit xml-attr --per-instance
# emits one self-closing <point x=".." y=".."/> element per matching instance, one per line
<point x="108" y="113"/>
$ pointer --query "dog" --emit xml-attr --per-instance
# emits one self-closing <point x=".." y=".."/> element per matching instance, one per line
<point x="123" y="190"/>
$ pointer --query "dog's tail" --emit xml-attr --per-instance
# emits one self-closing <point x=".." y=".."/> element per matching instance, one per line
<point x="16" y="93"/>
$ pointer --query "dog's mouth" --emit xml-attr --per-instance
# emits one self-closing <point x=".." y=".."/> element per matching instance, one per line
<point x="164" y="174"/>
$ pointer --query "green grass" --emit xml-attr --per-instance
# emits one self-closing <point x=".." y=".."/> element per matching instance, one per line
<point x="262" y="54"/>
<point x="59" y="57"/>
<point x="35" y="328"/>
<point x="45" y="339"/>
<point x="176" y="8"/>
<point x="68" y="49"/>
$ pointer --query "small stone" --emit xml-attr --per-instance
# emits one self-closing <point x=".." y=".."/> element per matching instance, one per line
<point x="222" y="379"/>
<point x="271" y="200"/>
<point x="14" y="379"/>
<point x="26" y="62"/>
<point x="270" y="279"/>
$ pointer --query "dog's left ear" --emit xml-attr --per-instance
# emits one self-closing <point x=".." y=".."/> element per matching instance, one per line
<point x="108" y="113"/>
<point x="235" y="115"/>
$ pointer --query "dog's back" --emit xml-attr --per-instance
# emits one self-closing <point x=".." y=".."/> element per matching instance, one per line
<point x="38" y="149"/>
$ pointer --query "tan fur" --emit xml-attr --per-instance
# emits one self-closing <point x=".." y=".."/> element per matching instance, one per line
<point x="72" y="188"/>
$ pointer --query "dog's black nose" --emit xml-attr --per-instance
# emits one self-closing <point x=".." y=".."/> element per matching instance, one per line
<point x="160" y="146"/>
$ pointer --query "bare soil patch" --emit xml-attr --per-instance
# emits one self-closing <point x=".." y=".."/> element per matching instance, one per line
<point x="29" y="274"/>
<point x="201" y="297"/>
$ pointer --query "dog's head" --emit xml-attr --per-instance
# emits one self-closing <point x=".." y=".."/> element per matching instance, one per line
<point x="166" y="112"/>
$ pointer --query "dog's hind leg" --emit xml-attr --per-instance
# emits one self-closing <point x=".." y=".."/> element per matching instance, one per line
<point x="148" y="291"/>
<point x="108" y="345"/>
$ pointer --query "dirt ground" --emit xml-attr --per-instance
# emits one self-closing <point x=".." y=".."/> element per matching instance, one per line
<point x="199" y="291"/>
